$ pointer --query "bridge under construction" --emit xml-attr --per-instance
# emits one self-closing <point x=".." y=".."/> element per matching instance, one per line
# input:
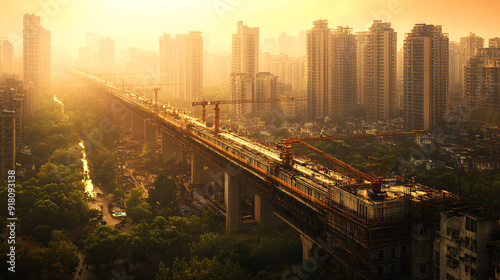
<point x="371" y="227"/>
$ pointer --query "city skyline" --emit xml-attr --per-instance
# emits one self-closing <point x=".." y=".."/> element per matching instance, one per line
<point x="231" y="139"/>
<point x="124" y="20"/>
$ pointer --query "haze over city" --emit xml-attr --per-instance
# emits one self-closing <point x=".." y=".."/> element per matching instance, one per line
<point x="139" y="24"/>
<point x="257" y="140"/>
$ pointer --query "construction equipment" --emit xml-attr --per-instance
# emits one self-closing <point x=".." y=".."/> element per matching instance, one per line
<point x="221" y="102"/>
<point x="287" y="154"/>
<point x="156" y="89"/>
<point x="377" y="180"/>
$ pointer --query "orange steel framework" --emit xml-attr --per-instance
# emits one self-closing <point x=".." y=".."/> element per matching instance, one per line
<point x="378" y="180"/>
<point x="287" y="154"/>
<point x="354" y="239"/>
<point x="221" y="102"/>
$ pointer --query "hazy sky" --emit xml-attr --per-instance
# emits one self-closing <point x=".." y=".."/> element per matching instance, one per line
<point x="140" y="23"/>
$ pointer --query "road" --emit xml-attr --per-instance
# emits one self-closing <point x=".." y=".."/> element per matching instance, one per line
<point x="83" y="270"/>
<point x="101" y="202"/>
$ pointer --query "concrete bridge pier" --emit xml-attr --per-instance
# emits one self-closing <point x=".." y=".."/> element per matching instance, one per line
<point x="232" y="196"/>
<point x="137" y="126"/>
<point x="127" y="122"/>
<point x="121" y="117"/>
<point x="150" y="133"/>
<point x="307" y="247"/>
<point x="170" y="149"/>
<point x="202" y="171"/>
<point x="264" y="211"/>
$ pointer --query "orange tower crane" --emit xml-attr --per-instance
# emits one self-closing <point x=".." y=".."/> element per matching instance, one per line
<point x="377" y="180"/>
<point x="221" y="102"/>
<point x="287" y="154"/>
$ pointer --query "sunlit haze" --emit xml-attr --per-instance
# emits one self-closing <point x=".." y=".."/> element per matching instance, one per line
<point x="250" y="139"/>
<point x="140" y="23"/>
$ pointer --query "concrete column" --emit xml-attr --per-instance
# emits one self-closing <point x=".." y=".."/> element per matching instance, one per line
<point x="170" y="149"/>
<point x="127" y="121"/>
<point x="150" y="133"/>
<point x="264" y="211"/>
<point x="118" y="116"/>
<point x="307" y="246"/>
<point x="137" y="126"/>
<point x="121" y="117"/>
<point x="232" y="190"/>
<point x="201" y="170"/>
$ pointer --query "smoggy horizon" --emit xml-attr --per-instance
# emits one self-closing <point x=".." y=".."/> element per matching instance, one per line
<point x="134" y="24"/>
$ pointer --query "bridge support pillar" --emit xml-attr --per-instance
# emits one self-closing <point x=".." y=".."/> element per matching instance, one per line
<point x="150" y="133"/>
<point x="307" y="246"/>
<point x="121" y="116"/>
<point x="232" y="193"/>
<point x="137" y="126"/>
<point x="170" y="149"/>
<point x="127" y="121"/>
<point x="201" y="170"/>
<point x="264" y="211"/>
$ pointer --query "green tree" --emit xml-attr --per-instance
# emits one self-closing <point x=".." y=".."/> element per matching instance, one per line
<point x="104" y="164"/>
<point x="212" y="244"/>
<point x="164" y="192"/>
<point x="150" y="158"/>
<point x="119" y="193"/>
<point x="106" y="244"/>
<point x="141" y="211"/>
<point x="58" y="260"/>
<point x="133" y="198"/>
<point x="204" y="269"/>
<point x="62" y="251"/>
<point x="166" y="238"/>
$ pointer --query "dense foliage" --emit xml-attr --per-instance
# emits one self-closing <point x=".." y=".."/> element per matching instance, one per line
<point x="483" y="187"/>
<point x="53" y="214"/>
<point x="51" y="208"/>
<point x="356" y="151"/>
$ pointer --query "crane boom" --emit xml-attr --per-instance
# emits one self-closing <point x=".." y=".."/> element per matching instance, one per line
<point x="376" y="181"/>
<point x="241" y="101"/>
<point x="286" y="152"/>
<point x="383" y="162"/>
<point x="337" y="161"/>
<point x="294" y="140"/>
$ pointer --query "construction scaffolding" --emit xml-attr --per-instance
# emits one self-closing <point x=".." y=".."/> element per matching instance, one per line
<point x="366" y="236"/>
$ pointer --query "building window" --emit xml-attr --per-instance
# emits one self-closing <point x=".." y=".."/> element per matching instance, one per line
<point x="393" y="252"/>
<point x="380" y="254"/>
<point x="448" y="231"/>
<point x="403" y="251"/>
<point x="470" y="224"/>
<point x="451" y="262"/>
